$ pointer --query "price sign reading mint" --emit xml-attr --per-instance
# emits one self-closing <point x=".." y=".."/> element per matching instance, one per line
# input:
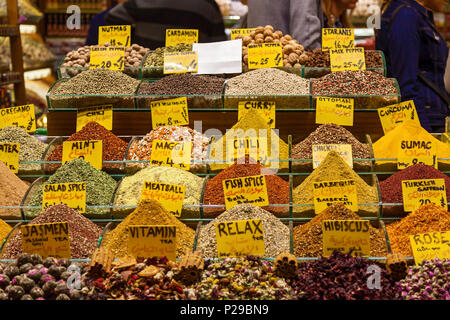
<point x="347" y="59"/>
<point x="107" y="58"/>
<point x="338" y="38"/>
<point x="265" y="55"/>
<point x="72" y="194"/>
<point x="393" y="115"/>
<point x="47" y="239"/>
<point x="240" y="238"/>
<point x="9" y="155"/>
<point x="431" y="245"/>
<point x="417" y="193"/>
<point x="334" y="110"/>
<point x="241" y="32"/>
<point x="19" y="116"/>
<point x="175" y="154"/>
<point x="344" y="235"/>
<point x="170" y="196"/>
<point x="265" y="109"/>
<point x="152" y="241"/>
<point x="411" y="152"/>
<point x="88" y="150"/>
<point x="116" y="36"/>
<point x="103" y="115"/>
<point x="328" y="193"/>
<point x="170" y="112"/>
<point x="180" y="62"/>
<point x="250" y="190"/>
<point x="177" y="36"/>
<point x="320" y="152"/>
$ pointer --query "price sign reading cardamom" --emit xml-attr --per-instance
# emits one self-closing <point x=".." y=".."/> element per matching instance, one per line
<point x="88" y="150"/>
<point x="328" y="193"/>
<point x="417" y="193"/>
<point x="107" y="58"/>
<point x="393" y="115"/>
<point x="347" y="59"/>
<point x="240" y="238"/>
<point x="19" y="116"/>
<point x="170" y="112"/>
<point x="346" y="235"/>
<point x="411" y="152"/>
<point x="334" y="110"/>
<point x="338" y="38"/>
<point x="170" y="196"/>
<point x="250" y="190"/>
<point x="47" y="239"/>
<point x="175" y="154"/>
<point x="431" y="245"/>
<point x="9" y="155"/>
<point x="72" y="194"/>
<point x="116" y="36"/>
<point x="266" y="109"/>
<point x="177" y="36"/>
<point x="103" y="115"/>
<point x="241" y="32"/>
<point x="320" y="152"/>
<point x="180" y="62"/>
<point x="152" y="241"/>
<point x="265" y="55"/>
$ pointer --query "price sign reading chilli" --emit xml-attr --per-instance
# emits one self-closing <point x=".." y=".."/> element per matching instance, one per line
<point x="344" y="235"/>
<point x="116" y="36"/>
<point x="328" y="193"/>
<point x="170" y="196"/>
<point x="180" y="62"/>
<point x="265" y="55"/>
<point x="9" y="155"/>
<point x="89" y="150"/>
<point x="19" y="116"/>
<point x="320" y="152"/>
<point x="334" y="110"/>
<point x="347" y="59"/>
<point x="391" y="116"/>
<point x="411" y="152"/>
<point x="251" y="190"/>
<point x="47" y="239"/>
<point x="241" y="32"/>
<point x="170" y="112"/>
<point x="72" y="194"/>
<point x="175" y="154"/>
<point x="427" y="246"/>
<point x="239" y="147"/>
<point x="265" y="109"/>
<point x="240" y="238"/>
<point x="103" y="115"/>
<point x="177" y="36"/>
<point x="107" y="58"/>
<point x="417" y="193"/>
<point x="338" y="38"/>
<point x="152" y="241"/>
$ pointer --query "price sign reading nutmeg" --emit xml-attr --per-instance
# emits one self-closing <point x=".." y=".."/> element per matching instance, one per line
<point x="9" y="155"/>
<point x="177" y="36"/>
<point x="19" y="116"/>
<point x="153" y="241"/>
<point x="328" y="193"/>
<point x="417" y="193"/>
<point x="344" y="235"/>
<point x="170" y="196"/>
<point x="320" y="152"/>
<point x="47" y="239"/>
<point x="72" y="194"/>
<point x="338" y="38"/>
<point x="393" y="115"/>
<point x="241" y="32"/>
<point x="431" y="245"/>
<point x="88" y="150"/>
<point x="103" y="115"/>
<point x="250" y="190"/>
<point x="170" y="112"/>
<point x="175" y="154"/>
<point x="180" y="62"/>
<point x="107" y="58"/>
<point x="116" y="36"/>
<point x="411" y="152"/>
<point x="265" y="55"/>
<point x="334" y="110"/>
<point x="265" y="109"/>
<point x="347" y="59"/>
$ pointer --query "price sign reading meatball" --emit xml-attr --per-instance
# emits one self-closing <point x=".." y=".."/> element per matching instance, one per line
<point x="265" y="109"/>
<point x="241" y="32"/>
<point x="411" y="152"/>
<point x="344" y="235"/>
<point x="116" y="36"/>
<point x="417" y="193"/>
<point x="103" y="115"/>
<point x="46" y="239"/>
<point x="250" y="190"/>
<point x="393" y="115"/>
<point x="177" y="36"/>
<point x="89" y="150"/>
<point x="170" y="196"/>
<point x="72" y="194"/>
<point x="180" y="62"/>
<point x="19" y="116"/>
<point x="338" y="38"/>
<point x="265" y="55"/>
<point x="152" y="241"/>
<point x="334" y="110"/>
<point x="107" y="58"/>
<point x="431" y="245"/>
<point x="175" y="154"/>
<point x="328" y="193"/>
<point x="9" y="155"/>
<point x="347" y="59"/>
<point x="170" y="112"/>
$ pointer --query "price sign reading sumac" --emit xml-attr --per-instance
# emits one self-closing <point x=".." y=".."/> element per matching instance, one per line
<point x="9" y="155"/>
<point x="338" y="38"/>
<point x="417" y="193"/>
<point x="393" y="115"/>
<point x="170" y="196"/>
<point x="334" y="110"/>
<point x="47" y="239"/>
<point x="427" y="246"/>
<point x="116" y="36"/>
<point x="72" y="194"/>
<point x="102" y="115"/>
<point x="327" y="193"/>
<point x="152" y="241"/>
<point x="170" y="112"/>
<point x="411" y="152"/>
<point x="175" y="154"/>
<point x="344" y="235"/>
<point x="180" y="62"/>
<point x="347" y="59"/>
<point x="265" y="55"/>
<point x="88" y="150"/>
<point x="107" y="58"/>
<point x="19" y="116"/>
<point x="250" y="190"/>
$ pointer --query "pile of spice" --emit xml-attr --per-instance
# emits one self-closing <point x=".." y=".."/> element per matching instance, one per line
<point x="155" y="59"/>
<point x="277" y="188"/>
<point x="332" y="168"/>
<point x="149" y="212"/>
<point x="31" y="149"/>
<point x="99" y="187"/>
<point x="83" y="233"/>
<point x="308" y="236"/>
<point x="428" y="218"/>
<point x="4" y="230"/>
<point x="247" y="278"/>
<point x="321" y="59"/>
<point x="12" y="191"/>
<point x="342" y="277"/>
<point x="276" y="234"/>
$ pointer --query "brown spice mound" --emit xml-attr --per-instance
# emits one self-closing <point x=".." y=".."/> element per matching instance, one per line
<point x="12" y="191"/>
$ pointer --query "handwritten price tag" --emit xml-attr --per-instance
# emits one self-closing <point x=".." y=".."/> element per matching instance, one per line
<point x="320" y="152"/>
<point x="116" y="36"/>
<point x="170" y="196"/>
<point x="72" y="194"/>
<point x="152" y="241"/>
<point x="251" y="190"/>
<point x="431" y="245"/>
<point x="417" y="193"/>
<point x="170" y="112"/>
<point x="103" y="115"/>
<point x="177" y="36"/>
<point x="393" y="115"/>
<point x="337" y="38"/>
<point x="343" y="235"/>
<point x="266" y="109"/>
<point x="180" y="62"/>
<point x="265" y="55"/>
<point x="89" y="150"/>
<point x="335" y="110"/>
<point x="241" y="32"/>
<point x="19" y="116"/>
<point x="330" y="192"/>
<point x="413" y="152"/>
<point x="107" y="57"/>
<point x="175" y="154"/>
<point x="47" y="239"/>
<point x="240" y="147"/>
<point x="9" y="155"/>
<point x="347" y="59"/>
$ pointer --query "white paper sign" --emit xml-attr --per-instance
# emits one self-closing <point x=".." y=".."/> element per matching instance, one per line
<point x="219" y="57"/>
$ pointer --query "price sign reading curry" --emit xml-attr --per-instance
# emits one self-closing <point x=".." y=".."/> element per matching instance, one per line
<point x="417" y="152"/>
<point x="391" y="116"/>
<point x="170" y="196"/>
<point x="72" y="194"/>
<point x="175" y="154"/>
<point x="9" y="155"/>
<point x="107" y="58"/>
<point x="177" y="36"/>
<point x="102" y="115"/>
<point x="89" y="150"/>
<point x="344" y="235"/>
<point x="338" y="38"/>
<point x="347" y="59"/>
<point x="250" y="190"/>
<point x="116" y="36"/>
<point x="334" y="110"/>
<point x="240" y="238"/>
<point x="328" y="193"/>
<point x="153" y="241"/>
<point x="266" y="109"/>
<point x="47" y="239"/>
<point x="265" y="55"/>
<point x="170" y="112"/>
<point x="416" y="193"/>
<point x="427" y="246"/>
<point x="19" y="116"/>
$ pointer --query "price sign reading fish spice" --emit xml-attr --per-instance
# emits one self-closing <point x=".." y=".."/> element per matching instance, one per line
<point x="413" y="152"/>
<point x="320" y="152"/>
<point x="431" y="245"/>
<point x="347" y="59"/>
<point x="9" y="155"/>
<point x="103" y="115"/>
<point x="265" y="109"/>
<point x="393" y="115"/>
<point x="88" y="150"/>
<point x="72" y="194"/>
<point x="328" y="193"/>
<point x="153" y="241"/>
<point x="334" y="110"/>
<point x="175" y="154"/>
<point x="116" y="36"/>
<point x="180" y="62"/>
<point x="250" y="190"/>
<point x="170" y="196"/>
<point x="346" y="235"/>
<point x="338" y="38"/>
<point x="107" y="58"/>
<point x="177" y="36"/>
<point x="47" y="239"/>
<point x="170" y="112"/>
<point x="417" y="193"/>
<point x="19" y="116"/>
<point x="265" y="55"/>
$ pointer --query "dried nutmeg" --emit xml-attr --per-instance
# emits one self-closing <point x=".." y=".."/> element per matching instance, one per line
<point x="259" y="30"/>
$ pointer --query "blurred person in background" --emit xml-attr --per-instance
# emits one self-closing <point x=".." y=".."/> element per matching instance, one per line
<point x="335" y="13"/>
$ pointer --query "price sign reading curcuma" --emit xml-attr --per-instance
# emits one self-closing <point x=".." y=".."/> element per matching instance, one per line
<point x="393" y="115"/>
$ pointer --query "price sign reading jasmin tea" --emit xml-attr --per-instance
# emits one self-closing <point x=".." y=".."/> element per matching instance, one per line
<point x="320" y="152"/>
<point x="170" y="196"/>
<point x="47" y="239"/>
<point x="170" y="112"/>
<point x="88" y="150"/>
<point x="393" y="115"/>
<point x="265" y="55"/>
<point x="416" y="152"/>
<point x="19" y="116"/>
<point x="328" y="193"/>
<point x="177" y="36"/>
<point x="72" y="194"/>
<point x="240" y="238"/>
<point x="347" y="59"/>
<point x="175" y="154"/>
<point x="338" y="38"/>
<point x="180" y="62"/>
<point x="265" y="109"/>
<point x="9" y="155"/>
<point x="107" y="58"/>
<point x="344" y="235"/>
<point x="152" y="241"/>
<point x="241" y="32"/>
<point x="417" y="193"/>
<point x="116" y="36"/>
<point x="335" y="110"/>
<point x="427" y="246"/>
<point x="103" y="115"/>
<point x="250" y="190"/>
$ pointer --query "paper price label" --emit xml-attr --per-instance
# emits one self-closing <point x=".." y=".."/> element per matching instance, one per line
<point x="170" y="112"/>
<point x="240" y="238"/>
<point x="177" y="36"/>
<point x="20" y="116"/>
<point x="335" y="110"/>
<point x="72" y="194"/>
<point x="180" y="62"/>
<point x="116" y="36"/>
<point x="152" y="241"/>
<point x="416" y="152"/>
<point x="170" y="196"/>
<point x="265" y="55"/>
<point x="103" y="115"/>
<point x="344" y="235"/>
<point x="328" y="193"/>
<point x="338" y="38"/>
<point x="417" y="193"/>
<point x="347" y="59"/>
<point x="393" y="115"/>
<point x="175" y="154"/>
<point x="431" y="245"/>
<point x="253" y="147"/>
<point x="250" y="190"/>
<point x="266" y="109"/>
<point x="88" y="150"/>
<point x="107" y="57"/>
<point x="9" y="155"/>
<point x="320" y="152"/>
<point x="47" y="239"/>
<point x="241" y="32"/>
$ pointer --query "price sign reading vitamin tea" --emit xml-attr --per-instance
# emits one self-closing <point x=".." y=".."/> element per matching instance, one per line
<point x="9" y="155"/>
<point x="334" y="110"/>
<point x="344" y="235"/>
<point x="89" y="150"/>
<point x="170" y="112"/>
<point x="170" y="196"/>
<point x="47" y="239"/>
<point x="416" y="193"/>
<point x="175" y="154"/>
<point x="103" y="115"/>
<point x="427" y="246"/>
<point x="72" y="194"/>
<point x="253" y="147"/>
<point x="347" y="59"/>
<point x="177" y="36"/>
<point x="251" y="190"/>
<point x="240" y="238"/>
<point x="337" y="38"/>
<point x="265" y="109"/>
<point x="180" y="62"/>
<point x="153" y="241"/>
<point x="391" y="116"/>
<point x="241" y="32"/>
<point x="107" y="57"/>
<point x="320" y="152"/>
<point x="19" y="116"/>
<point x="413" y="152"/>
<point x="116" y="36"/>
<point x="265" y="55"/>
<point x="330" y="192"/>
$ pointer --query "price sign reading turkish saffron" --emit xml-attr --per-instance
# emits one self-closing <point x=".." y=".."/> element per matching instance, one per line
<point x="265" y="55"/>
<point x="177" y="36"/>
<point x="393" y="115"/>
<point x="9" y="155"/>
<point x="180" y="62"/>
<point x="175" y="154"/>
<point x="250" y="190"/>
<point x="19" y="116"/>
<point x="328" y="193"/>
<point x="334" y="110"/>
<point x="46" y="239"/>
<point x="411" y="152"/>
<point x="170" y="196"/>
<point x="88" y="150"/>
<point x="338" y="38"/>
<point x="265" y="109"/>
<point x="241" y="32"/>
<point x="116" y="36"/>
<point x="152" y="241"/>
<point x="107" y="58"/>
<point x="417" y="193"/>
<point x="320" y="152"/>
<point x="431" y="245"/>
<point x="103" y="115"/>
<point x="72" y="194"/>
<point x="347" y="59"/>
<point x="170" y="112"/>
<point x="344" y="235"/>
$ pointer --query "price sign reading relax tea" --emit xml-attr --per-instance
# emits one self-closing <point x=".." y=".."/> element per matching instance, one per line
<point x="170" y="196"/>
<point x="413" y="152"/>
<point x="175" y="154"/>
<point x="103" y="115"/>
<point x="265" y="109"/>
<point x="265" y="55"/>
<point x="88" y="150"/>
<point x="180" y="62"/>
<point x="153" y="241"/>
<point x="47" y="239"/>
<point x="427" y="246"/>
<point x="320" y="152"/>
<point x="253" y="147"/>
<point x="107" y="58"/>
<point x="334" y="110"/>
<point x="240" y="238"/>
<point x="347" y="59"/>
<point x="177" y="36"/>
<point x="72" y="194"/>
<point x="417" y="193"/>
<point x="9" y="155"/>
<point x="328" y="193"/>
<point x="19" y="116"/>
<point x="344" y="235"/>
<point x="116" y="36"/>
<point x="338" y="38"/>
<point x="250" y="190"/>
<point x="393" y="115"/>
<point x="241" y="32"/>
<point x="170" y="112"/>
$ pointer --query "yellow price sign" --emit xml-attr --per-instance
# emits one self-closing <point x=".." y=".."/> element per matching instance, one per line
<point x="107" y="58"/>
<point x="347" y="59"/>
<point x="240" y="147"/>
<point x="9" y="155"/>
<point x="177" y="36"/>
<point x="431" y="245"/>
<point x="335" y="110"/>
<point x="170" y="196"/>
<point x="103" y="115"/>
<point x="417" y="193"/>
<point x="265" y="55"/>
<point x="180" y="62"/>
<point x="241" y="32"/>
<point x="72" y="194"/>
<point x="411" y="152"/>
<point x="250" y="190"/>
<point x="393" y="115"/>
<point x="240" y="238"/>
<point x="266" y="109"/>
<point x="116" y="36"/>
<point x="327" y="193"/>
<point x="19" y="116"/>
<point x="175" y="154"/>
<point x="338" y="38"/>
<point x="170" y="112"/>
<point x="320" y="152"/>
<point x="346" y="235"/>
<point x="88" y="150"/>
<point x="152" y="241"/>
<point x="47" y="239"/>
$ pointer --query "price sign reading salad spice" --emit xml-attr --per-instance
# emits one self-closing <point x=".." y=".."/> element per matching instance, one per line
<point x="328" y="193"/>
<point x="427" y="246"/>
<point x="344" y="235"/>
<point x="265" y="55"/>
<point x="153" y="241"/>
<point x="9" y="155"/>
<point x="180" y="62"/>
<point x="175" y="154"/>
<point x="334" y="110"/>
<point x="19" y="116"/>
<point x="170" y="196"/>
<point x="417" y="193"/>
<point x="250" y="190"/>
<point x="116" y="36"/>
<point x="393" y="115"/>
<point x="320" y="152"/>
<point x="72" y="194"/>
<point x="241" y="32"/>
<point x="240" y="238"/>
<point x="107" y="58"/>
<point x="177" y="36"/>
<point x="413" y="152"/>
<point x="338" y="38"/>
<point x="265" y="109"/>
<point x="170" y="112"/>
<point x="103" y="115"/>
<point x="47" y="239"/>
<point x="347" y="59"/>
<point x="88" y="150"/>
